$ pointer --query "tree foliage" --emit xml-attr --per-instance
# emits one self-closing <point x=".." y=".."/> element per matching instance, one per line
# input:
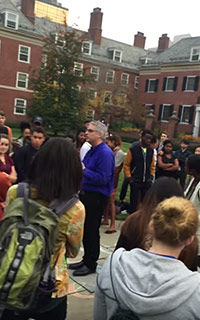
<point x="57" y="98"/>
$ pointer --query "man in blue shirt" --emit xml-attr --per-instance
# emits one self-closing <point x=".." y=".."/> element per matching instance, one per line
<point x="97" y="186"/>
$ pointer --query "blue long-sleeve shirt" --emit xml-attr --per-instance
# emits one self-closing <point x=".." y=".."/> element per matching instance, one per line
<point x="98" y="175"/>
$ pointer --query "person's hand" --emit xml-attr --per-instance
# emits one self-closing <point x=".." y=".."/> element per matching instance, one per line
<point x="131" y="180"/>
<point x="83" y="166"/>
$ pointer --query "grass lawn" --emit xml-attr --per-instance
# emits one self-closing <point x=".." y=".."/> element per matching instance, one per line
<point x="16" y="132"/>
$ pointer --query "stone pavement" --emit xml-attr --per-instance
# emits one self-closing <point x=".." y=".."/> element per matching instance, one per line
<point x="81" y="289"/>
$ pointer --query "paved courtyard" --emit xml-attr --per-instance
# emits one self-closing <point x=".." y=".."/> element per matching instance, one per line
<point x="81" y="289"/>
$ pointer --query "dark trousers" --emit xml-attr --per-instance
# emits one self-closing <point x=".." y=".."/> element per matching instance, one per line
<point x="57" y="313"/>
<point x="124" y="189"/>
<point x="182" y="177"/>
<point x="95" y="204"/>
<point x="138" y="191"/>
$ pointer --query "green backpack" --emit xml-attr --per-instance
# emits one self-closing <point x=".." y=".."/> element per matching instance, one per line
<point x="28" y="235"/>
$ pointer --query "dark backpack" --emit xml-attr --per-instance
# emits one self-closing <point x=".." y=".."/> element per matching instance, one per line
<point x="120" y="314"/>
<point x="28" y="236"/>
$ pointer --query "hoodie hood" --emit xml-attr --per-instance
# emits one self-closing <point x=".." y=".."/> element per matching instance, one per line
<point x="147" y="283"/>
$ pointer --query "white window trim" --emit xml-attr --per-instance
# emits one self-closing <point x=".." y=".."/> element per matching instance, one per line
<point x="164" y="105"/>
<point x="6" y="19"/>
<point x="149" y="85"/>
<point x="90" y="48"/>
<point x="114" y="55"/>
<point x="127" y="79"/>
<point x="191" y="53"/>
<point x="186" y="90"/>
<point x="95" y="93"/>
<point x="105" y="93"/>
<point x="166" y="90"/>
<point x="184" y="106"/>
<point x="27" y="78"/>
<point x="81" y="68"/>
<point x="25" y="104"/>
<point x="136" y="82"/>
<point x="29" y="53"/>
<point x="96" y="74"/>
<point x="113" y="76"/>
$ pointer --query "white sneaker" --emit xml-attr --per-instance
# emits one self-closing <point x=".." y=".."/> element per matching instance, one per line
<point x="123" y="212"/>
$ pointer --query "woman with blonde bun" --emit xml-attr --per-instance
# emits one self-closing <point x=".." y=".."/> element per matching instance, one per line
<point x="154" y="284"/>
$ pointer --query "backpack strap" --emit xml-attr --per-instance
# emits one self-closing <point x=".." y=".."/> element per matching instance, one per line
<point x="60" y="207"/>
<point x="112" y="283"/>
<point x="23" y="192"/>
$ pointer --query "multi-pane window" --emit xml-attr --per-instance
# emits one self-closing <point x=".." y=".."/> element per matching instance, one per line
<point x="151" y="85"/>
<point x="78" y="69"/>
<point x="195" y="54"/>
<point x="22" y="80"/>
<point x="90" y="114"/>
<point x="95" y="72"/>
<point x="110" y="76"/>
<point x="86" y="47"/>
<point x="92" y="93"/>
<point x="170" y="83"/>
<point x="24" y="54"/>
<point x="185" y="114"/>
<point x="59" y="40"/>
<point x="124" y="79"/>
<point x="20" y="107"/>
<point x="107" y="97"/>
<point x="136" y="82"/>
<point x="11" y="20"/>
<point x="117" y="56"/>
<point x="190" y="83"/>
<point x="165" y="112"/>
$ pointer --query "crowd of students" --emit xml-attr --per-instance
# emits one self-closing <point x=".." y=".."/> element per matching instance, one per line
<point x="152" y="272"/>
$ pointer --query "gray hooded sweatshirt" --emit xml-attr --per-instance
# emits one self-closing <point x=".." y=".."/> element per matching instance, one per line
<point x="154" y="287"/>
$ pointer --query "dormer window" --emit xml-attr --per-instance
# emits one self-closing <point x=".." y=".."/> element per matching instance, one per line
<point x="116" y="55"/>
<point x="145" y="60"/>
<point x="59" y="40"/>
<point x="11" y="20"/>
<point x="195" y="54"/>
<point x="86" y="47"/>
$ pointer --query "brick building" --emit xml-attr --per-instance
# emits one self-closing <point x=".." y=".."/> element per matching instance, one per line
<point x="165" y="79"/>
<point x="170" y="82"/>
<point x="20" y="50"/>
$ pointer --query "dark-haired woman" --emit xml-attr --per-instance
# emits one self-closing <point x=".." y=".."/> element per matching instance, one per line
<point x="134" y="233"/>
<point x="168" y="165"/>
<point x="55" y="175"/>
<point x="80" y="138"/>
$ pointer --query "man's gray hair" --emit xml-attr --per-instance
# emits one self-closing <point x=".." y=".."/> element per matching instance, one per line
<point x="101" y="128"/>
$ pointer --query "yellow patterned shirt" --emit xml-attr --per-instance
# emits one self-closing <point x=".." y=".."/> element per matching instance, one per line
<point x="68" y="242"/>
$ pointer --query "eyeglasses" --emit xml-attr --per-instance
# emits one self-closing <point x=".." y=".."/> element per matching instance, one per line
<point x="91" y="130"/>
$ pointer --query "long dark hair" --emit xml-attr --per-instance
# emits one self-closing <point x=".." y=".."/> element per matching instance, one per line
<point x="56" y="170"/>
<point x="137" y="223"/>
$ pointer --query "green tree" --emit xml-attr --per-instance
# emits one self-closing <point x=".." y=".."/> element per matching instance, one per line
<point x="57" y="98"/>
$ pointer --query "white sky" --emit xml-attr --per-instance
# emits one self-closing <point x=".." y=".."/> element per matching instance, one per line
<point x="123" y="19"/>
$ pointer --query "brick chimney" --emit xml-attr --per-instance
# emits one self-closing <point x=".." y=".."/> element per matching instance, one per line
<point x="139" y="40"/>
<point x="28" y="8"/>
<point x="163" y="43"/>
<point x="95" y="30"/>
